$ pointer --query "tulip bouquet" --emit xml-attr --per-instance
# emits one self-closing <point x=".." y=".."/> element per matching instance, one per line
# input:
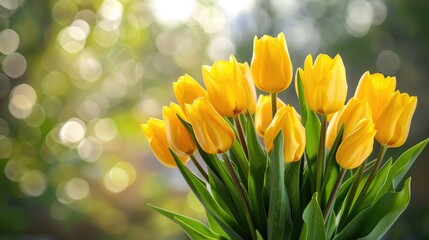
<point x="271" y="173"/>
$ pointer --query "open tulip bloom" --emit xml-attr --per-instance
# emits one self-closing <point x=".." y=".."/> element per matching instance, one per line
<point x="268" y="172"/>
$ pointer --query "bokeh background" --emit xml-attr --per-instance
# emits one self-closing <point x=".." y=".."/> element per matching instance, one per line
<point x="77" y="78"/>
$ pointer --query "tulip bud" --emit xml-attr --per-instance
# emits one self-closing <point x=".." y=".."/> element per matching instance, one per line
<point x="288" y="121"/>
<point x="263" y="115"/>
<point x="357" y="145"/>
<point x="377" y="90"/>
<point x="212" y="132"/>
<point x="393" y="123"/>
<point x="227" y="87"/>
<point x="245" y="70"/>
<point x="186" y="90"/>
<point x="325" y="85"/>
<point x="178" y="136"/>
<point x="355" y="110"/>
<point x="154" y="131"/>
<point x="271" y="64"/>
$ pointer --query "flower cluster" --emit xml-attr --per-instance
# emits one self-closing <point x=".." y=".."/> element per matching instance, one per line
<point x="278" y="189"/>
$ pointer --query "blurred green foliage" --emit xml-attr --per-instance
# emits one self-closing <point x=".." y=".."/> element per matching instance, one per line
<point x="79" y="76"/>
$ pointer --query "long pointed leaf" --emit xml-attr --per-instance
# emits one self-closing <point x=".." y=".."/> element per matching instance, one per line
<point x="258" y="165"/>
<point x="405" y="161"/>
<point x="314" y="228"/>
<point x="227" y="222"/>
<point x="197" y="226"/>
<point x="373" y="222"/>
<point x="332" y="168"/>
<point x="293" y="186"/>
<point x="279" y="218"/>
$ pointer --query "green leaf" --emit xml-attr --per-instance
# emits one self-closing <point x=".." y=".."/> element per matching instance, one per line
<point x="258" y="165"/>
<point x="240" y="160"/>
<point x="314" y="228"/>
<point x="312" y="134"/>
<point x="258" y="236"/>
<point x="342" y="193"/>
<point x="405" y="161"/>
<point x="302" y="104"/>
<point x="279" y="218"/>
<point x="368" y="199"/>
<point x="331" y="225"/>
<point x="214" y="226"/>
<point x="373" y="222"/>
<point x="195" y="228"/>
<point x="227" y="222"/>
<point x="332" y="168"/>
<point x="193" y="233"/>
<point x="222" y="194"/>
<point x="220" y="181"/>
<point x="293" y="186"/>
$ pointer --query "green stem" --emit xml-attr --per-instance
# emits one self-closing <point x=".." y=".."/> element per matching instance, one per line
<point x="273" y="104"/>
<point x="240" y="194"/>
<point x="199" y="167"/>
<point x="241" y="135"/>
<point x="321" y="156"/>
<point x="353" y="190"/>
<point x="374" y="171"/>
<point x="331" y="200"/>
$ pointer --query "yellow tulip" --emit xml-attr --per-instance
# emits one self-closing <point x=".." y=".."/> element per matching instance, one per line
<point x="186" y="90"/>
<point x="357" y="145"/>
<point x="288" y="121"/>
<point x="377" y="90"/>
<point x="154" y="131"/>
<point x="178" y="136"/>
<point x="355" y="110"/>
<point x="245" y="70"/>
<point x="226" y="87"/>
<point x="212" y="132"/>
<point x="263" y="115"/>
<point x="325" y="85"/>
<point x="393" y="123"/>
<point x="271" y="64"/>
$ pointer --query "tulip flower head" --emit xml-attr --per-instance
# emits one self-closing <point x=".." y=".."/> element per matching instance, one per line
<point x="393" y="123"/>
<point x="355" y="110"/>
<point x="324" y="82"/>
<point x="212" y="132"/>
<point x="288" y="121"/>
<point x="245" y="70"/>
<point x="357" y="145"/>
<point x="358" y="135"/>
<point x="178" y="136"/>
<point x="186" y="90"/>
<point x="155" y="133"/>
<point x="377" y="90"/>
<point x="227" y="87"/>
<point x="271" y="64"/>
<point x="263" y="115"/>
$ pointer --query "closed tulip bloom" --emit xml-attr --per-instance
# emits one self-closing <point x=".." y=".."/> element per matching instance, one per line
<point x="355" y="110"/>
<point x="357" y="145"/>
<point x="186" y="90"/>
<point x="263" y="115"/>
<point x="393" y="123"/>
<point x="178" y="136"/>
<point x="377" y="90"/>
<point x="227" y="87"/>
<point x="288" y="121"/>
<point x="245" y="70"/>
<point x="212" y="132"/>
<point x="154" y="131"/>
<point x="271" y="64"/>
<point x="325" y="85"/>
